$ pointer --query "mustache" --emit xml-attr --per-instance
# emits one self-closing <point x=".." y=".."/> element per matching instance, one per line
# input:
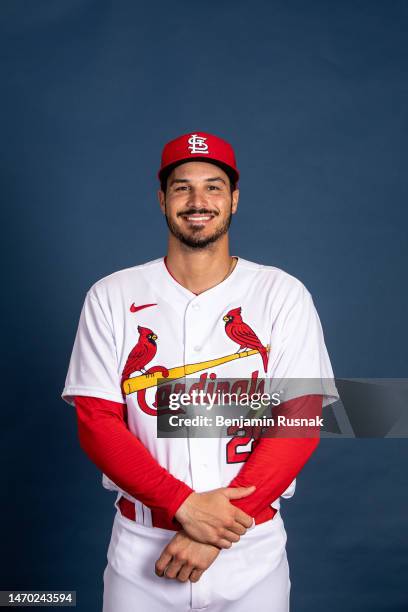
<point x="199" y="211"/>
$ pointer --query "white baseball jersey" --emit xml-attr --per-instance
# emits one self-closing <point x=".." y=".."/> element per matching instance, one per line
<point x="190" y="330"/>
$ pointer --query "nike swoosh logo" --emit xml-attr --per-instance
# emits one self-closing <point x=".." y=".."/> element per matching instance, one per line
<point x="134" y="308"/>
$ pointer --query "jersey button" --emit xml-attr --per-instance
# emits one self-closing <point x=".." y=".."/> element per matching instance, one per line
<point x="196" y="306"/>
<point x="197" y="348"/>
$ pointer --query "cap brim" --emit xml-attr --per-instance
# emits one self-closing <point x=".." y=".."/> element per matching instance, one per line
<point x="232" y="174"/>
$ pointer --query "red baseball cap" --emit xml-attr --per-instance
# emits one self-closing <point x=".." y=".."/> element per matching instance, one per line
<point x="202" y="147"/>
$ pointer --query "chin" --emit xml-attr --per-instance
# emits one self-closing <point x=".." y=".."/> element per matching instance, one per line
<point x="198" y="242"/>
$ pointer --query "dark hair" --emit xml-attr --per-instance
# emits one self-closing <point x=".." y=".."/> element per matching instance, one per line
<point x="166" y="173"/>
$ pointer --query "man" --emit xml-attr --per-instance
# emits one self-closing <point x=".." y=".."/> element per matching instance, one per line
<point x="198" y="525"/>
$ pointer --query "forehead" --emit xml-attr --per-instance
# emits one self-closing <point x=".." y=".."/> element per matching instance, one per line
<point x="198" y="170"/>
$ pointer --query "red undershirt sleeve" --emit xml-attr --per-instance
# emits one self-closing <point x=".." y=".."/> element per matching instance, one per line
<point x="276" y="460"/>
<point x="118" y="453"/>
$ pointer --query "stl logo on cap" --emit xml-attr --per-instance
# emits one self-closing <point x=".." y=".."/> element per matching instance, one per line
<point x="198" y="144"/>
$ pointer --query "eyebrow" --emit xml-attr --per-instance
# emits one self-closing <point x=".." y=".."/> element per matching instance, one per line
<point x="212" y="180"/>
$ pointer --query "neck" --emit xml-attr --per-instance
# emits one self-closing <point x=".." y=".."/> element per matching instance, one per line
<point x="199" y="269"/>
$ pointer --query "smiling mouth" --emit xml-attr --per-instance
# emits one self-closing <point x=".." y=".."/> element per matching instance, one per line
<point x="198" y="218"/>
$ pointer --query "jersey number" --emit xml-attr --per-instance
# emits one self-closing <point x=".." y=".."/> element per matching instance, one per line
<point x="241" y="438"/>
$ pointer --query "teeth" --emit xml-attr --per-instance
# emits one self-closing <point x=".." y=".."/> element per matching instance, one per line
<point x="199" y="218"/>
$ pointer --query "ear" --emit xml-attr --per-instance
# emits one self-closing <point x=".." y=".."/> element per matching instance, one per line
<point x="161" y="198"/>
<point x="235" y="198"/>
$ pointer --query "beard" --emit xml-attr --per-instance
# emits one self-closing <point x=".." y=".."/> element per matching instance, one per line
<point x="193" y="239"/>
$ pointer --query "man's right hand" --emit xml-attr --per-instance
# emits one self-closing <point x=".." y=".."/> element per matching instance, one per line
<point x="210" y="518"/>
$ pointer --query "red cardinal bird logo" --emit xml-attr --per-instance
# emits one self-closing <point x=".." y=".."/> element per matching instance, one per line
<point x="141" y="354"/>
<point x="243" y="335"/>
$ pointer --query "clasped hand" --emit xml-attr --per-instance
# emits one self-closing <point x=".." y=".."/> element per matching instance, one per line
<point x="209" y="523"/>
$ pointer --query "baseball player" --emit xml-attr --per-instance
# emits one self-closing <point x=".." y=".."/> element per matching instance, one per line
<point x="198" y="523"/>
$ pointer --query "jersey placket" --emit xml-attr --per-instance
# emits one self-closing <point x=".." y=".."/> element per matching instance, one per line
<point x="204" y="475"/>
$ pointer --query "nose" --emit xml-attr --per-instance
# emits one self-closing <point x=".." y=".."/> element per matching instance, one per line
<point x="197" y="198"/>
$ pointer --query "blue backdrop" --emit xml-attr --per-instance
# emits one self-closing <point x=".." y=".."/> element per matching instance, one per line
<point x="313" y="96"/>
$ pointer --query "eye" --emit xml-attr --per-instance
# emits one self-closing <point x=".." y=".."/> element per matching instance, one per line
<point x="213" y="187"/>
<point x="182" y="187"/>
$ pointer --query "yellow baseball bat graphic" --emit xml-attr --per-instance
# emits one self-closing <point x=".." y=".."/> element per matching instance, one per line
<point x="145" y="381"/>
